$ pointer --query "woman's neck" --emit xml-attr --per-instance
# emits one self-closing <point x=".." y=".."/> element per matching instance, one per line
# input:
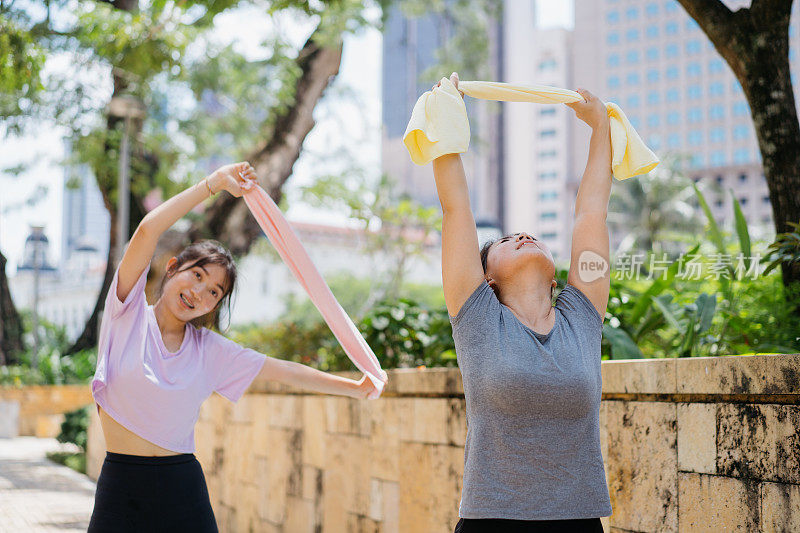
<point x="531" y="302"/>
<point x="168" y="324"/>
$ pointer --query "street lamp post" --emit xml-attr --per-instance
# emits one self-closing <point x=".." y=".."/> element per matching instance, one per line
<point x="127" y="107"/>
<point x="37" y="232"/>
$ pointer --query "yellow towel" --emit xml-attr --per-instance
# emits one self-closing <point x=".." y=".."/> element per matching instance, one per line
<point x="439" y="124"/>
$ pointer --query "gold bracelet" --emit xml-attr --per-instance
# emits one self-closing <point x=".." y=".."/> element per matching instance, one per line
<point x="210" y="192"/>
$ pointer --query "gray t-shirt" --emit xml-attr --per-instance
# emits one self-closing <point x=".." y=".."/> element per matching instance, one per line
<point x="533" y="411"/>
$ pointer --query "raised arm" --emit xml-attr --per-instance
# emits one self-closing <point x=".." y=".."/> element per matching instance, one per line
<point x="590" y="232"/>
<point x="143" y="242"/>
<point x="461" y="262"/>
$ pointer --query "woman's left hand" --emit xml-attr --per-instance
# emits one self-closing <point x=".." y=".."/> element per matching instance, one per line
<point x="232" y="177"/>
<point x="591" y="110"/>
<point x="361" y="388"/>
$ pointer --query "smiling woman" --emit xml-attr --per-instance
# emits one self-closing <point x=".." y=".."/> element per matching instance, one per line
<point x="156" y="364"/>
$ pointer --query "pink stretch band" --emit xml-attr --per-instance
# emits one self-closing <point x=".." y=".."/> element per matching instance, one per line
<point x="285" y="241"/>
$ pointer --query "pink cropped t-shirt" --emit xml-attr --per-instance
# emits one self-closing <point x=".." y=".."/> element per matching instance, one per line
<point x="153" y="392"/>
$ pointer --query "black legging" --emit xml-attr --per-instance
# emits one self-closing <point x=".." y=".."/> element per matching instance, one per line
<point x="153" y="494"/>
<point x="496" y="525"/>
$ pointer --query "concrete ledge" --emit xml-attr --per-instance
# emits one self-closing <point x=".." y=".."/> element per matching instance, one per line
<point x="736" y="379"/>
<point x="736" y="376"/>
<point x="416" y="382"/>
<point x="743" y="374"/>
<point x="653" y="376"/>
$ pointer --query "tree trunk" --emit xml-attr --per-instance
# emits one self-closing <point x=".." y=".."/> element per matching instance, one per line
<point x="228" y="220"/>
<point x="10" y="321"/>
<point x="755" y="43"/>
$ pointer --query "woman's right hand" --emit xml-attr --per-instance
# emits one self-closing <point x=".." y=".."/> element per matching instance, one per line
<point x="231" y="177"/>
<point x="453" y="80"/>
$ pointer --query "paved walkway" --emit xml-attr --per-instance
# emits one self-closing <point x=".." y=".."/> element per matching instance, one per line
<point x="37" y="495"/>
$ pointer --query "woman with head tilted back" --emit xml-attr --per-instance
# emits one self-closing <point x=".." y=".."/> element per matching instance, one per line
<point x="156" y="365"/>
<point x="531" y="370"/>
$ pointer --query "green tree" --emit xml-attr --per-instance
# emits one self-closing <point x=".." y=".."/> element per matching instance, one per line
<point x="754" y="41"/>
<point x="655" y="212"/>
<point x="201" y="107"/>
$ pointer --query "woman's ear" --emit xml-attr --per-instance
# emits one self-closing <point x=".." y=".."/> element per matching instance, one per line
<point x="171" y="265"/>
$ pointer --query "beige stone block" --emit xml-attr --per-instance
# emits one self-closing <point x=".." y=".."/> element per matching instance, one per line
<point x="265" y="526"/>
<point x="603" y="430"/>
<point x="348" y="456"/>
<point x="741" y="374"/>
<point x="226" y="518"/>
<point x="780" y="508"/>
<point x="413" y="381"/>
<point x="262" y="466"/>
<point x="430" y="487"/>
<point x="247" y="518"/>
<point x="697" y="437"/>
<point x="716" y="503"/>
<point x="279" y="474"/>
<point x="260" y="424"/>
<point x="457" y="421"/>
<point x="642" y="376"/>
<point x="204" y="443"/>
<point x="362" y="524"/>
<point x="228" y="467"/>
<point x="431" y="420"/>
<point x="759" y="442"/>
<point x="642" y="465"/>
<point x="385" y="438"/>
<point x="390" y="492"/>
<point x="286" y="411"/>
<point x="363" y="423"/>
<point x="245" y="456"/>
<point x="48" y="426"/>
<point x="241" y="411"/>
<point x="376" y="500"/>
<point x="299" y="516"/>
<point x="219" y="412"/>
<point x="406" y="409"/>
<point x="334" y="512"/>
<point x="338" y="415"/>
<point x="314" y="431"/>
<point x="434" y="420"/>
<point x="312" y="483"/>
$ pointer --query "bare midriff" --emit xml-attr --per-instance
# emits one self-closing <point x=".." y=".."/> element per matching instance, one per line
<point x="121" y="440"/>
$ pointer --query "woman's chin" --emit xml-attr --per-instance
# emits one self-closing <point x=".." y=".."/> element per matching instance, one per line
<point x="183" y="314"/>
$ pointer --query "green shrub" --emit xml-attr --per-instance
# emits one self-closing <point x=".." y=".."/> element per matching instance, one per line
<point x="74" y="428"/>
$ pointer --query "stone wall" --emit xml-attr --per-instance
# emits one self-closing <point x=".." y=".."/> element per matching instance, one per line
<point x="702" y="444"/>
<point x="42" y="407"/>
